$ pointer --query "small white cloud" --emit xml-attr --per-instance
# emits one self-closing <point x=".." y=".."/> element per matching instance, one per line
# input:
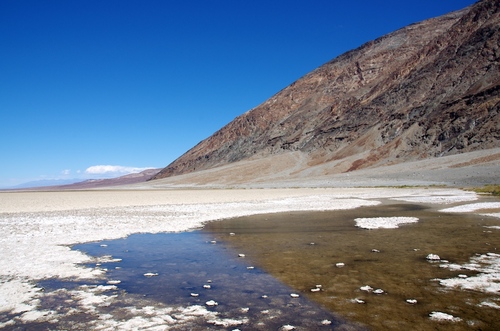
<point x="113" y="169"/>
<point x="66" y="172"/>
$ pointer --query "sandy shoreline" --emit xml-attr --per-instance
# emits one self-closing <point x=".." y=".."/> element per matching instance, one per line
<point x="38" y="227"/>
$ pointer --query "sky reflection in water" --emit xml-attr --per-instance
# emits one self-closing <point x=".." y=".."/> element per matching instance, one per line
<point x="192" y="269"/>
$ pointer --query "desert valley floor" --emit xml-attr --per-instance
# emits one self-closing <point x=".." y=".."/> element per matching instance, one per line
<point x="40" y="228"/>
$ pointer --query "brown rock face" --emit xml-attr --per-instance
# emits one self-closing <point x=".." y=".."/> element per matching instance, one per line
<point x="427" y="90"/>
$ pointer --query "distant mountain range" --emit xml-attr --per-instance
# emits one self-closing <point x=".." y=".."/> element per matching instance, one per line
<point x="46" y="182"/>
<point x="76" y="184"/>
<point x="428" y="90"/>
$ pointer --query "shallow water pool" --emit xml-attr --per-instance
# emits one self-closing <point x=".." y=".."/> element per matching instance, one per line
<point x="191" y="269"/>
<point x="304" y="249"/>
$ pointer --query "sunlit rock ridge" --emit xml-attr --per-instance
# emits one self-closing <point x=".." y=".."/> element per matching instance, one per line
<point x="430" y="89"/>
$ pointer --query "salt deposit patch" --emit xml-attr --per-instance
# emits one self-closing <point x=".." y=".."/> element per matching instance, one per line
<point x="489" y="304"/>
<point x="383" y="222"/>
<point x="15" y="295"/>
<point x="492" y="215"/>
<point x="91" y="301"/>
<point x="472" y="207"/>
<point x="439" y="316"/>
<point x="439" y="197"/>
<point x="488" y="279"/>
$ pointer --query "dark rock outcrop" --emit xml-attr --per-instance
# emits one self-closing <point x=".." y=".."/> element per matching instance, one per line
<point x="427" y="90"/>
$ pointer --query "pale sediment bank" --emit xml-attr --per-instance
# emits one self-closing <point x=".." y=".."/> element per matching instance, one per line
<point x="39" y="227"/>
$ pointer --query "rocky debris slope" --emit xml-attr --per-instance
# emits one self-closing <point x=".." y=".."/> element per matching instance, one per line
<point x="430" y="89"/>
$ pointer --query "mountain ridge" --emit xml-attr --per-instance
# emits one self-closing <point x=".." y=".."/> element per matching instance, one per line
<point x="79" y="184"/>
<point x="427" y="90"/>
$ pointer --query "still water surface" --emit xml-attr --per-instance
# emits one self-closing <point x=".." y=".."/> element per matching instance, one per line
<point x="304" y="249"/>
<point x="191" y="263"/>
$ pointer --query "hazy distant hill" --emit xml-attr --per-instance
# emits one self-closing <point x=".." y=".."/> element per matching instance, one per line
<point x="45" y="182"/>
<point x="430" y="89"/>
<point x="76" y="184"/>
<point x="133" y="178"/>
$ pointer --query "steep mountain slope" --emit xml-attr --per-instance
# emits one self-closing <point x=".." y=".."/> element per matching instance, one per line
<point x="430" y="89"/>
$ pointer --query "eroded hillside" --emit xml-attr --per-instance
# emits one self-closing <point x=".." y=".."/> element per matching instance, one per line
<point x="430" y="89"/>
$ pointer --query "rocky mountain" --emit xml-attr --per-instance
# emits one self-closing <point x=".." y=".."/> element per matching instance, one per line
<point x="428" y="90"/>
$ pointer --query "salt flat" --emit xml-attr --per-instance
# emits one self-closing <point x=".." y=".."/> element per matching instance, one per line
<point x="39" y="227"/>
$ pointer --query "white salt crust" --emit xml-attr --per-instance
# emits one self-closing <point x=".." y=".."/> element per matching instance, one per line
<point x="446" y="197"/>
<point x="467" y="208"/>
<point x="497" y="215"/>
<point x="439" y="316"/>
<point x="383" y="222"/>
<point x="487" y="280"/>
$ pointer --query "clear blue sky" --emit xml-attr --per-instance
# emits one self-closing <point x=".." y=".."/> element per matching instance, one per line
<point x="135" y="84"/>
